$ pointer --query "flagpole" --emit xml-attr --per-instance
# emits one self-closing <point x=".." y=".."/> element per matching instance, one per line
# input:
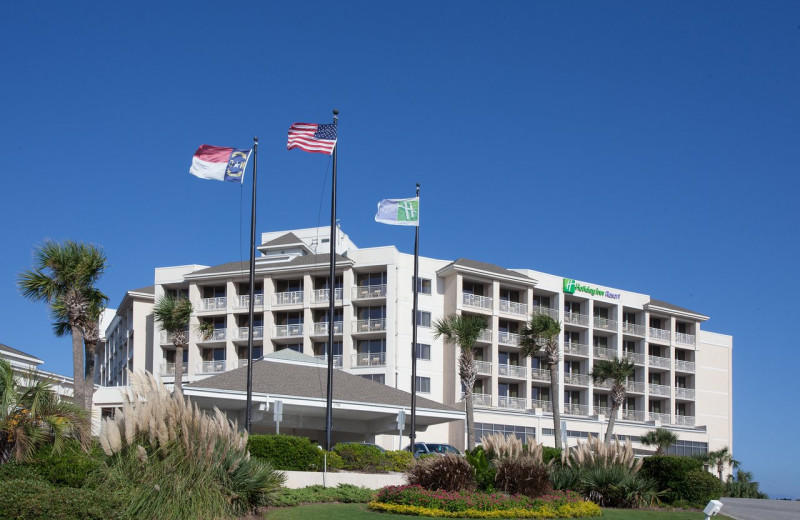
<point x="332" y="298"/>
<point x="413" y="435"/>
<point x="248" y="406"/>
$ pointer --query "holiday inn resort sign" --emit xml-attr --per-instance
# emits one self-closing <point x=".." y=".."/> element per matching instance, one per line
<point x="570" y="286"/>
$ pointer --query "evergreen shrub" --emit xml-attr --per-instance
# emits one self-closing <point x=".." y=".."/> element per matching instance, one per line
<point x="669" y="472"/>
<point x="485" y="471"/>
<point x="286" y="452"/>
<point x="698" y="488"/>
<point x="362" y="457"/>
<point x="37" y="499"/>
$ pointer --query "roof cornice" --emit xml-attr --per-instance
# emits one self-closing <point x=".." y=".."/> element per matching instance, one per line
<point x="462" y="269"/>
<point x="674" y="312"/>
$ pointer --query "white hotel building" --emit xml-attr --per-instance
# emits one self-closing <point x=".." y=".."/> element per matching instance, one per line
<point x="683" y="378"/>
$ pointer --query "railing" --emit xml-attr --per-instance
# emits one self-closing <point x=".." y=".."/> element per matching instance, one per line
<point x="686" y="339"/>
<point x="546" y="406"/>
<point x="216" y="335"/>
<point x="553" y="313"/>
<point x="373" y="325"/>
<point x="604" y="410"/>
<point x="508" y="338"/>
<point x="512" y="371"/>
<point x="684" y="366"/>
<point x="660" y="390"/>
<point x="633" y="415"/>
<point x="288" y="331"/>
<point x="576" y="379"/>
<point x="211" y="367"/>
<point x="516" y="403"/>
<point x="540" y="374"/>
<point x="213" y="304"/>
<point x="484" y="367"/>
<point x="321" y="328"/>
<point x="514" y="307"/>
<point x="484" y="400"/>
<point x="575" y="318"/>
<point x="287" y="298"/>
<point x="244" y="333"/>
<point x="576" y="349"/>
<point x="604" y="323"/>
<point x="485" y="336"/>
<point x="324" y="295"/>
<point x="363" y="292"/>
<point x="168" y="369"/>
<point x="663" y="417"/>
<point x="684" y="420"/>
<point x="635" y="386"/>
<point x="657" y="361"/>
<point x="661" y="334"/>
<point x="632" y="328"/>
<point x="605" y="353"/>
<point x="473" y="300"/>
<point x="337" y="360"/>
<point x="368" y="359"/>
<point x="607" y="384"/>
<point x="636" y="357"/>
<point x="576" y="409"/>
<point x="684" y="393"/>
<point x="243" y="301"/>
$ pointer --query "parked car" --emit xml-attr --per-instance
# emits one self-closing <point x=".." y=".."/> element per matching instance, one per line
<point x="435" y="448"/>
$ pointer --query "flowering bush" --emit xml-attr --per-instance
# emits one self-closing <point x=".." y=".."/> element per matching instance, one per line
<point x="576" y="510"/>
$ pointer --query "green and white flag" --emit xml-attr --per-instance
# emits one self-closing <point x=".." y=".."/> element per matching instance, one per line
<point x="398" y="212"/>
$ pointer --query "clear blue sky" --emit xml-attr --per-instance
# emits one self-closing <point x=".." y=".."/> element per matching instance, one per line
<point x="649" y="146"/>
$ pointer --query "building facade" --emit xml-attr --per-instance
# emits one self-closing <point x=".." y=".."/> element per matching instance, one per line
<point x="682" y="381"/>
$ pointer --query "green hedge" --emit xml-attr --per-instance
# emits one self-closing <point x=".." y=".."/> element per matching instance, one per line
<point x="698" y="487"/>
<point x="362" y="457"/>
<point x="72" y="467"/>
<point x="26" y="499"/>
<point x="286" y="452"/>
<point x="669" y="472"/>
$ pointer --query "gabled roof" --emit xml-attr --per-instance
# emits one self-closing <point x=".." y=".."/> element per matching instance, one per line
<point x="243" y="267"/>
<point x="284" y="240"/>
<point x="674" y="309"/>
<point x="150" y="289"/>
<point x="476" y="267"/>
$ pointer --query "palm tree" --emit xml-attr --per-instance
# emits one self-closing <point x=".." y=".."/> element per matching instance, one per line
<point x="63" y="276"/>
<point x="464" y="331"/>
<point x="721" y="458"/>
<point x="173" y="315"/>
<point x="31" y="414"/>
<point x="541" y="332"/>
<point x="661" y="438"/>
<point x="617" y="371"/>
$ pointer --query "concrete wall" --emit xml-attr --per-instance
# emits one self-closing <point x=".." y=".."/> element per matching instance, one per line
<point x="301" y="479"/>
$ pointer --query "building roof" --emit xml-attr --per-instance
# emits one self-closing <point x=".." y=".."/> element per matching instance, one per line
<point x="285" y="240"/>
<point x="16" y="352"/>
<point x="150" y="289"/>
<point x="234" y="267"/>
<point x="274" y="375"/>
<point x="674" y="308"/>
<point x="475" y="265"/>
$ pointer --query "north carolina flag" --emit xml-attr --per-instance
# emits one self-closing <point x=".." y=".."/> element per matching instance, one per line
<point x="220" y="164"/>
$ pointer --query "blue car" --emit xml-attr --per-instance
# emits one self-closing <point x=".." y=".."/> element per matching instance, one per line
<point x="435" y="448"/>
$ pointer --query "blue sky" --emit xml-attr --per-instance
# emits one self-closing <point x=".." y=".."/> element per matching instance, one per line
<point x="648" y="146"/>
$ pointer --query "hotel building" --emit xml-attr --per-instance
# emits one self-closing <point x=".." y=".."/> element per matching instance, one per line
<point x="682" y="381"/>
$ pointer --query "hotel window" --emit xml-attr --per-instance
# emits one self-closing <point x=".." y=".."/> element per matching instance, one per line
<point x="509" y="295"/>
<point x="423" y="318"/>
<point x="320" y="348"/>
<point x="217" y="291"/>
<point x="630" y="318"/>
<point x="378" y="378"/>
<point x="572" y="338"/>
<point x="572" y="307"/>
<point x="423" y="285"/>
<point x="178" y="293"/>
<point x="423" y="351"/>
<point x="423" y="385"/>
<point x="541" y="301"/>
<point x="366" y="279"/>
<point x="601" y="312"/>
<point x="472" y="288"/>
<point x="655" y="323"/>
<point x="600" y="342"/>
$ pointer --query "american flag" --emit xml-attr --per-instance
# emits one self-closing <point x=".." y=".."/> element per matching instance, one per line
<point x="312" y="137"/>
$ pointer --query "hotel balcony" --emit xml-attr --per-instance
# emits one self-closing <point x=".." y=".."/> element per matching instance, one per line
<point x="659" y="390"/>
<point x="486" y="336"/>
<point x="168" y="369"/>
<point x="515" y="403"/>
<point x="540" y="374"/>
<point x="337" y="360"/>
<point x="663" y="417"/>
<point x="324" y="295"/>
<point x="287" y="298"/>
<point x="576" y="379"/>
<point x="484" y="368"/>
<point x="243" y="301"/>
<point x="607" y="384"/>
<point x="546" y="406"/>
<point x="684" y="393"/>
<point x="321" y="328"/>
<point x="482" y="400"/>
<point x="509" y="307"/>
<point x="605" y="324"/>
<point x="576" y="349"/>
<point x="512" y="371"/>
<point x="633" y="329"/>
<point x="368" y="359"/>
<point x="369" y="292"/>
<point x="367" y="326"/>
<point x="686" y="339"/>
<point x="635" y="387"/>
<point x="508" y="338"/>
<point x="605" y="353"/>
<point x="214" y="304"/>
<point x="573" y="318"/>
<point x="288" y="331"/>
<point x="216" y="335"/>
<point x="214" y="367"/>
<point x="604" y="410"/>
<point x="659" y="334"/>
<point x="633" y="415"/>
<point x="243" y="333"/>
<point x="576" y="409"/>
<point x="658" y="362"/>
<point x="636" y="357"/>
<point x="553" y="313"/>
<point x="477" y="302"/>
<point x="684" y="420"/>
<point x="684" y="366"/>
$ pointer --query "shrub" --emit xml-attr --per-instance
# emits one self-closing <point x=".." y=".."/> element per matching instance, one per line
<point x="522" y="476"/>
<point x="71" y="467"/>
<point x="36" y="499"/>
<point x="400" y="460"/>
<point x="362" y="457"/>
<point x="447" y="472"/>
<point x="345" y="493"/>
<point x="698" y="488"/>
<point x="485" y="472"/>
<point x="19" y="471"/>
<point x="549" y="454"/>
<point x="286" y="452"/>
<point x="669" y="471"/>
<point x="334" y="462"/>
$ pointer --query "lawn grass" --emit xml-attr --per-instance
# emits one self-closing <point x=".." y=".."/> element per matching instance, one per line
<point x="360" y="512"/>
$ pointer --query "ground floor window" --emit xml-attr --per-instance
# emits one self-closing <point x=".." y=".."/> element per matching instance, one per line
<point x="521" y="432"/>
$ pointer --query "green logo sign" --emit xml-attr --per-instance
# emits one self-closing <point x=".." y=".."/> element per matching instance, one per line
<point x="408" y="211"/>
<point x="569" y="286"/>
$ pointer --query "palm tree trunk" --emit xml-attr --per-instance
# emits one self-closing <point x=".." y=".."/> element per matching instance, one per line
<point x="179" y="368"/>
<point x="611" y="419"/>
<point x="468" y="405"/>
<point x="555" y="402"/>
<point x="78" y="390"/>
<point x="89" y="347"/>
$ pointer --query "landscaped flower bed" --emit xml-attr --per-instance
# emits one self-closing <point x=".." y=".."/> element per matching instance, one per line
<point x="415" y="500"/>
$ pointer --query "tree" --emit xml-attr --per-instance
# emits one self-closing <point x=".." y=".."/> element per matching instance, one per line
<point x="63" y="276"/>
<point x="31" y="414"/>
<point x="173" y="315"/>
<point x="464" y="330"/>
<point x="661" y="438"/>
<point x="541" y="332"/>
<point x="721" y="458"/>
<point x="617" y="371"/>
<point x="742" y="486"/>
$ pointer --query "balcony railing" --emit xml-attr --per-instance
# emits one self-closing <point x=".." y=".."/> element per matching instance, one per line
<point x="168" y="369"/>
<point x="661" y="334"/>
<point x="165" y="338"/>
<point x="243" y="333"/>
<point x="663" y="417"/>
<point x="576" y="409"/>
<point x="484" y="367"/>
<point x="607" y="384"/>
<point x="288" y="331"/>
<point x="604" y="410"/>
<point x="576" y="349"/>
<point x="684" y="420"/>
<point x="540" y="374"/>
<point x="684" y="366"/>
<point x="243" y="301"/>
<point x="288" y="298"/>
<point x="321" y="328"/>
<point x="686" y="339"/>
<point x="635" y="386"/>
<point x="473" y="300"/>
<point x="508" y="338"/>
<point x="605" y="353"/>
<point x="605" y="323"/>
<point x="684" y="393"/>
<point x="660" y="390"/>
<point x="364" y="292"/>
<point x="213" y="304"/>
<point x="553" y="313"/>
<point x="633" y="415"/>
<point x="546" y="406"/>
<point x="574" y="318"/>
<point x="485" y="336"/>
<point x="632" y="328"/>
<point x="510" y="307"/>
<point x="212" y="367"/>
<point x="324" y="295"/>
<point x="657" y="361"/>
<point x="636" y="357"/>
<point x="368" y="359"/>
<point x="373" y="325"/>
<point x="337" y="360"/>
<point x="216" y="335"/>
<point x="512" y="371"/>
<point x="515" y="403"/>
<point x="483" y="400"/>
<point x="576" y="379"/>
